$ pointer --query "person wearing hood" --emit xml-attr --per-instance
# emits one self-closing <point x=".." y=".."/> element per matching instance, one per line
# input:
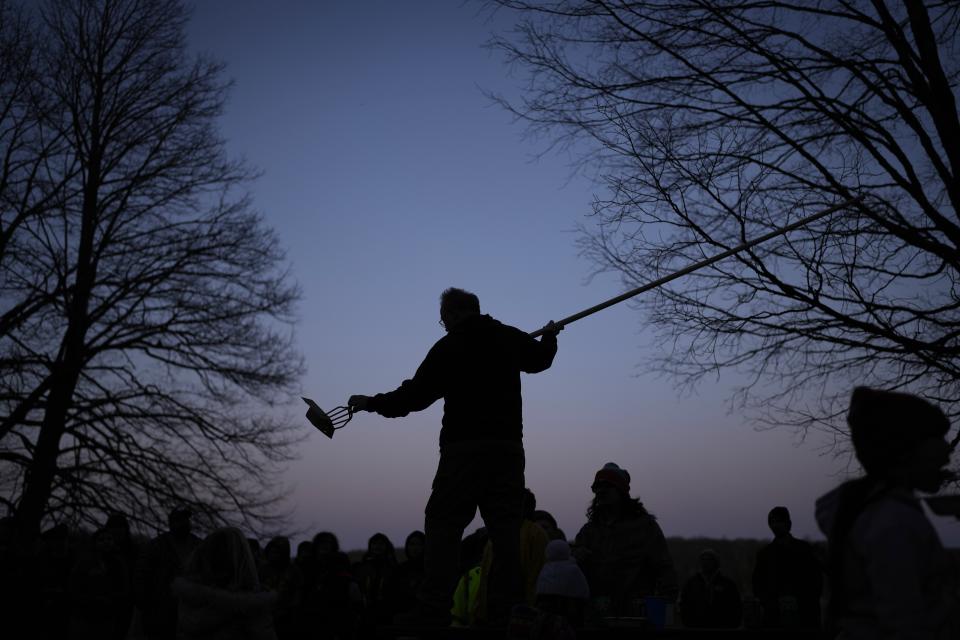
<point x="409" y="574"/>
<point x="219" y="593"/>
<point x="622" y="549"/>
<point x="476" y="369"/>
<point x="890" y="576"/>
<point x="375" y="576"/>
<point x="562" y="588"/>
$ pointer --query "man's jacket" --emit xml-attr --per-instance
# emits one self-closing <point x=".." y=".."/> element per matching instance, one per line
<point x="476" y="369"/>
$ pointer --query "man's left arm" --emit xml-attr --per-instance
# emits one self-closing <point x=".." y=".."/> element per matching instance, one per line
<point x="415" y="394"/>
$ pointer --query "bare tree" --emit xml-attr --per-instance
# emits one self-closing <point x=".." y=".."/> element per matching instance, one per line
<point x="148" y="376"/>
<point x="713" y="121"/>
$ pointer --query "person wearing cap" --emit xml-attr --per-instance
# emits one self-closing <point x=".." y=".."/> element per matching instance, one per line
<point x="890" y="576"/>
<point x="476" y="369"/>
<point x="621" y="549"/>
<point x="561" y="587"/>
<point x="787" y="577"/>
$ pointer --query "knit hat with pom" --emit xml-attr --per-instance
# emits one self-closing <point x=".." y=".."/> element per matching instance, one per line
<point x="614" y="475"/>
<point x="560" y="575"/>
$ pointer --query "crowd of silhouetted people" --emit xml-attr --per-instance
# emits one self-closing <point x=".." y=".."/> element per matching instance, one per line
<point x="885" y="571"/>
<point x="112" y="584"/>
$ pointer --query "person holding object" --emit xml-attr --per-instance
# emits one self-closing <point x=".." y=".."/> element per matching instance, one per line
<point x="476" y="369"/>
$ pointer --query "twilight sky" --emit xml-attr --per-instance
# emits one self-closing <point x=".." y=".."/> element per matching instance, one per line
<point x="389" y="177"/>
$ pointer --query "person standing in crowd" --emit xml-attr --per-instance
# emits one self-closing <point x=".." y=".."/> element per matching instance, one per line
<point x="533" y="543"/>
<point x="375" y="576"/>
<point x="467" y="594"/>
<point x="562" y="588"/>
<point x="163" y="560"/>
<point x="409" y="574"/>
<point x="338" y="608"/>
<point x="476" y="369"/>
<point x="549" y="524"/>
<point x="99" y="589"/>
<point x="119" y="528"/>
<point x="622" y="549"/>
<point x="710" y="599"/>
<point x="279" y="574"/>
<point x="330" y="602"/>
<point x="890" y="576"/>
<point x="219" y="592"/>
<point x="787" y="578"/>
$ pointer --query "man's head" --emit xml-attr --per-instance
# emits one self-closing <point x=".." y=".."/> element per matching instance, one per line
<point x="457" y="304"/>
<point x="779" y="521"/>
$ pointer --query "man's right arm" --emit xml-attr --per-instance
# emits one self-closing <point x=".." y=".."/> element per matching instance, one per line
<point x="537" y="355"/>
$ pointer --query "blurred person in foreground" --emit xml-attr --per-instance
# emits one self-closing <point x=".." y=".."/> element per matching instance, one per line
<point x="890" y="576"/>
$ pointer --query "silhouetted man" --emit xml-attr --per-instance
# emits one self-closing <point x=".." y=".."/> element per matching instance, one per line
<point x="710" y="599"/>
<point x="476" y="369"/>
<point x="787" y="577"/>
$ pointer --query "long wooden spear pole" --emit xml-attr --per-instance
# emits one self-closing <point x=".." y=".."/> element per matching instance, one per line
<point x="699" y="265"/>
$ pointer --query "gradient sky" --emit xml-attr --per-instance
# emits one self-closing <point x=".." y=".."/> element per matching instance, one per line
<point x="389" y="177"/>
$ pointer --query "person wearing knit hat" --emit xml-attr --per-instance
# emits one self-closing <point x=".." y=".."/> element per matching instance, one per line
<point x="612" y="474"/>
<point x="890" y="575"/>
<point x="562" y="588"/>
<point x="622" y="550"/>
<point x="886" y="427"/>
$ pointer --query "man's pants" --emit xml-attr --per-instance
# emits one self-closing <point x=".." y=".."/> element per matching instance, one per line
<point x="488" y="475"/>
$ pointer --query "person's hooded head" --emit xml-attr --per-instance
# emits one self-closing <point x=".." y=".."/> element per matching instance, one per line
<point x="277" y="552"/>
<point x="560" y="575"/>
<point x="380" y="549"/>
<point x="899" y="437"/>
<point x="325" y="544"/>
<point x="413" y="546"/>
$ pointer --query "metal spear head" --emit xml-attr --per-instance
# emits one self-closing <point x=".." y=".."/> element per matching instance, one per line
<point x="327" y="422"/>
